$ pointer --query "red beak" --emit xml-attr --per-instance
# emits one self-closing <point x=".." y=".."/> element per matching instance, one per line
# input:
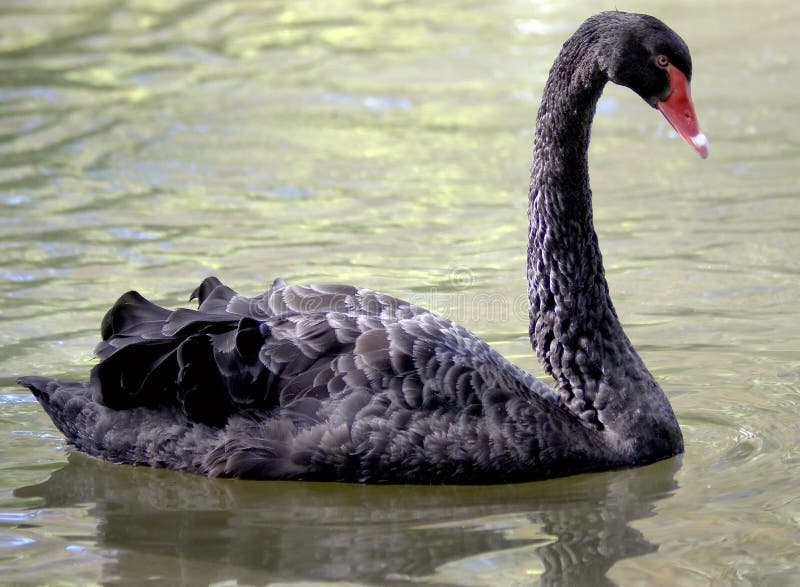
<point x="678" y="109"/>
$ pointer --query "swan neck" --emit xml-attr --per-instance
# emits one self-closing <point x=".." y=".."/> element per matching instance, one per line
<point x="573" y="325"/>
<point x="574" y="328"/>
<point x="567" y="290"/>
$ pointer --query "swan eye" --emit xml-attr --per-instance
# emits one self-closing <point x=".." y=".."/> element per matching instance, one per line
<point x="662" y="60"/>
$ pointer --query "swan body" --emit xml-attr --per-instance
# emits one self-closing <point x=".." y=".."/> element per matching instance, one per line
<point x="339" y="383"/>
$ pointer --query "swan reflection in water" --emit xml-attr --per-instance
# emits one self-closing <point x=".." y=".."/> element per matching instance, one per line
<point x="153" y="524"/>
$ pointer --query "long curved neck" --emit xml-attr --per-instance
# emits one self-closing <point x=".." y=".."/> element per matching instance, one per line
<point x="567" y="289"/>
<point x="573" y="325"/>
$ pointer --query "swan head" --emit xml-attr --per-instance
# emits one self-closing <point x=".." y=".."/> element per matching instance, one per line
<point x="642" y="53"/>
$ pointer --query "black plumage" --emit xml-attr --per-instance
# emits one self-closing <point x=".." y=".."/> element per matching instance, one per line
<point x="335" y="382"/>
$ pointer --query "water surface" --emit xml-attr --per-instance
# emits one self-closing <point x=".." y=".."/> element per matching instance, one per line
<point x="149" y="144"/>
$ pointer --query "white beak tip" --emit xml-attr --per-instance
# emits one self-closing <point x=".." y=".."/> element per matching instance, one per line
<point x="701" y="143"/>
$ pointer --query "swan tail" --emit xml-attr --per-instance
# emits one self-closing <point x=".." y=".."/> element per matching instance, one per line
<point x="154" y="437"/>
<point x="68" y="404"/>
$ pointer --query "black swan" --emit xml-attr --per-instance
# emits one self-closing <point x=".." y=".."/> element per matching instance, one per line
<point x="339" y="383"/>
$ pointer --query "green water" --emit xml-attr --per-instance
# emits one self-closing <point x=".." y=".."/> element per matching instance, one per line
<point x="147" y="144"/>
